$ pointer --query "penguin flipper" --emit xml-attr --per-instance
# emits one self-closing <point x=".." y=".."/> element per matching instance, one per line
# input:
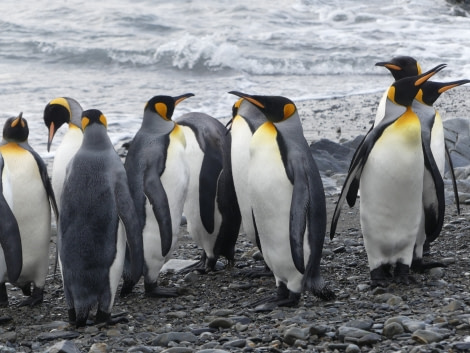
<point x="10" y="239"/>
<point x="46" y="181"/>
<point x="454" y="182"/>
<point x="128" y="216"/>
<point x="156" y="194"/>
<point x="298" y="220"/>
<point x="433" y="202"/>
<point x="211" y="169"/>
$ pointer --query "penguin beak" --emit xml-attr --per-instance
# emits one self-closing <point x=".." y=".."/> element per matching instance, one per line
<point x="388" y="65"/>
<point x="248" y="98"/>
<point x="427" y="75"/>
<point x="181" y="98"/>
<point x="452" y="85"/>
<point x="52" y="131"/>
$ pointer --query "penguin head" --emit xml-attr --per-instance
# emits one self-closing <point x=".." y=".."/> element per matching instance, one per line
<point x="56" y="113"/>
<point x="93" y="116"/>
<point x="164" y="106"/>
<point x="275" y="108"/>
<point x="430" y="91"/>
<point x="403" y="91"/>
<point x="401" y="67"/>
<point x="16" y="129"/>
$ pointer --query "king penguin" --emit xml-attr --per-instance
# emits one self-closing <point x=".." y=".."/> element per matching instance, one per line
<point x="287" y="201"/>
<point x="59" y="111"/>
<point x="432" y="132"/>
<point x="389" y="166"/>
<point x="158" y="176"/>
<point x="211" y="206"/>
<point x="246" y="118"/>
<point x="32" y="198"/>
<point x="95" y="199"/>
<point x="11" y="257"/>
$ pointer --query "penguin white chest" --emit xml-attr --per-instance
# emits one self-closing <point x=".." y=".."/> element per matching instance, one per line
<point x="69" y="146"/>
<point x="391" y="193"/>
<point x="270" y="195"/>
<point x="240" y="155"/>
<point x="32" y="211"/>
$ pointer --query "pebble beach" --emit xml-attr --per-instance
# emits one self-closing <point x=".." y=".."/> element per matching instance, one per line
<point x="214" y="314"/>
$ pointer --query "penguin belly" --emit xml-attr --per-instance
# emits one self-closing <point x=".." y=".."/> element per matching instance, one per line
<point x="271" y="195"/>
<point x="391" y="195"/>
<point x="69" y="146"/>
<point x="438" y="143"/>
<point x="195" y="156"/>
<point x="115" y="271"/>
<point x="175" y="180"/>
<point x="32" y="211"/>
<point x="7" y="194"/>
<point x="240" y="156"/>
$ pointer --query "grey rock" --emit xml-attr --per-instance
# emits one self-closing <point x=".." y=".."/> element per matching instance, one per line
<point x="369" y="339"/>
<point x="57" y="335"/>
<point x="393" y="329"/>
<point x="295" y="333"/>
<point x="345" y="332"/>
<point x="178" y="350"/>
<point x="462" y="346"/>
<point x="140" y="349"/>
<point x="9" y="336"/>
<point x="221" y="312"/>
<point x="212" y="351"/>
<point x="63" y="347"/>
<point x="221" y="323"/>
<point x="164" y="338"/>
<point x="238" y="343"/>
<point x="413" y="325"/>
<point x="5" y="349"/>
<point x="426" y="336"/>
<point x="98" y="348"/>
<point x="352" y="348"/>
<point x="364" y="324"/>
<point x="454" y="305"/>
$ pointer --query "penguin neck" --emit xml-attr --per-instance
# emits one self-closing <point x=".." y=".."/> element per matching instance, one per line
<point x="156" y="124"/>
<point x="95" y="136"/>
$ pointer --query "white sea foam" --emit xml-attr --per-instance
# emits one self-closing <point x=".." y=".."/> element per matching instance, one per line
<point x="115" y="55"/>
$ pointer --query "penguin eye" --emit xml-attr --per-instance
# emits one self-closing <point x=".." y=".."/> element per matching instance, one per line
<point x="161" y="109"/>
<point x="289" y="109"/>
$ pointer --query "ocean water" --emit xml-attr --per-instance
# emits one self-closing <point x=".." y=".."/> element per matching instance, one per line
<point x="115" y="55"/>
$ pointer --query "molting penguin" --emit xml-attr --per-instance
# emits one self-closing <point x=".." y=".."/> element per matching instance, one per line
<point x="158" y="177"/>
<point x="11" y="257"/>
<point x="432" y="133"/>
<point x="389" y="166"/>
<point x="211" y="206"/>
<point x="95" y="199"/>
<point x="287" y="201"/>
<point x="59" y="111"/>
<point x="32" y="198"/>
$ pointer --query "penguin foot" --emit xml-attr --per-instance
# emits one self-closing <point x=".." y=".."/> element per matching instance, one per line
<point x="324" y="293"/>
<point x="199" y="267"/>
<point x="126" y="289"/>
<point x="102" y="317"/>
<point x="380" y="276"/>
<point x="26" y="289"/>
<point x="401" y="274"/>
<point x="3" y="295"/>
<point x="272" y="303"/>
<point x="36" y="298"/>
<point x="419" y="266"/>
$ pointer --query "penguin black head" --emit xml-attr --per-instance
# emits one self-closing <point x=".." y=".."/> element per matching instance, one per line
<point x="165" y="105"/>
<point x="93" y="116"/>
<point x="16" y="129"/>
<point x="430" y="91"/>
<point x="401" y="67"/>
<point x="275" y="108"/>
<point x="404" y="91"/>
<point x="56" y="113"/>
